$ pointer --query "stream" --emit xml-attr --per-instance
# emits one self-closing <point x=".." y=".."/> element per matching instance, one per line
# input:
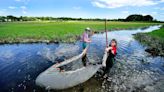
<point x="134" y="70"/>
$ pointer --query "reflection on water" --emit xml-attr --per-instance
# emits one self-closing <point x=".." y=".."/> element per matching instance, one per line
<point x="134" y="69"/>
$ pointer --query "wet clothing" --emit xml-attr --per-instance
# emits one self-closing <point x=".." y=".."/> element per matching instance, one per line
<point x="84" y="60"/>
<point x="110" y="59"/>
<point x="114" y="49"/>
<point x="85" y="36"/>
<point x="84" y="43"/>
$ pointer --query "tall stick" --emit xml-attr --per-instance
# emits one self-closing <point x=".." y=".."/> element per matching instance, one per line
<point x="106" y="33"/>
<point x="105" y="54"/>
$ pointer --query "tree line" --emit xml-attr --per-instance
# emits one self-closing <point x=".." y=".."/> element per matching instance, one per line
<point x="11" y="18"/>
<point x="134" y="17"/>
<point x="139" y="18"/>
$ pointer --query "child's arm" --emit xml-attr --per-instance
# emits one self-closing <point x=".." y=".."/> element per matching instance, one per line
<point x="110" y="48"/>
<point x="87" y="40"/>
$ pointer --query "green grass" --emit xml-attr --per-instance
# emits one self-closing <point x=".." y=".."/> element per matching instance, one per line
<point x="158" y="33"/>
<point x="56" y="31"/>
<point x="154" y="40"/>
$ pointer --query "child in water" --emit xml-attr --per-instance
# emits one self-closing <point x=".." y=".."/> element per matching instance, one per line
<point x="85" y="40"/>
<point x="112" y="49"/>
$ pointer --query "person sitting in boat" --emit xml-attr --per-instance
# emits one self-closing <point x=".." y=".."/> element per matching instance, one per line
<point x="112" y="50"/>
<point x="85" y="40"/>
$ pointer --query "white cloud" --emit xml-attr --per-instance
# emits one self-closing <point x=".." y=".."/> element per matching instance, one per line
<point x="77" y="7"/>
<point x="122" y="3"/>
<point x="12" y="7"/>
<point x="97" y="4"/>
<point x="162" y="1"/>
<point x="24" y="9"/>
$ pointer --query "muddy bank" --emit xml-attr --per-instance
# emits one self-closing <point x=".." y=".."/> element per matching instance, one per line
<point x="69" y="39"/>
<point x="155" y="45"/>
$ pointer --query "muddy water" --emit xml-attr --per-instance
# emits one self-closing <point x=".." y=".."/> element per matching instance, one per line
<point x="134" y="69"/>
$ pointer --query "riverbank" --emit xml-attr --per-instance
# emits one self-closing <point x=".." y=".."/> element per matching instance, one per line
<point x="154" y="40"/>
<point x="50" y="32"/>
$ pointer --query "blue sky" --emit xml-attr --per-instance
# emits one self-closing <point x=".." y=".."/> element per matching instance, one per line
<point x="111" y="9"/>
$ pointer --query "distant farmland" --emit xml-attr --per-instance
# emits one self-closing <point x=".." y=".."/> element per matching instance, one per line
<point x="15" y="32"/>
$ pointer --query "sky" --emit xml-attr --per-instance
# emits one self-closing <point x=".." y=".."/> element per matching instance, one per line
<point x="111" y="9"/>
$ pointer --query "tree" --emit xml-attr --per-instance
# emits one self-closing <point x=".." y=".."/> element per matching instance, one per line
<point x="2" y="18"/>
<point x="12" y="18"/>
<point x="136" y="17"/>
<point x="147" y="18"/>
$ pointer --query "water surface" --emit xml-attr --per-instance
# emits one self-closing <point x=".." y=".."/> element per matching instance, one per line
<point x="134" y="69"/>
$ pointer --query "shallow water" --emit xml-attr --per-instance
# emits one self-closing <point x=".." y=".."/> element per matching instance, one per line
<point x="134" y="69"/>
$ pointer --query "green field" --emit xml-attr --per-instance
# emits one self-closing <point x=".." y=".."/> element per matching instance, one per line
<point x="159" y="34"/>
<point x="68" y="31"/>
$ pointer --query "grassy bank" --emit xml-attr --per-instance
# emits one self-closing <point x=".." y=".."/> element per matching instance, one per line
<point x="154" y="40"/>
<point x="69" y="31"/>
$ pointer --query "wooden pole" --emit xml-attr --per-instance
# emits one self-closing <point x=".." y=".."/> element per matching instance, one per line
<point x="106" y="32"/>
<point x="105" y="53"/>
